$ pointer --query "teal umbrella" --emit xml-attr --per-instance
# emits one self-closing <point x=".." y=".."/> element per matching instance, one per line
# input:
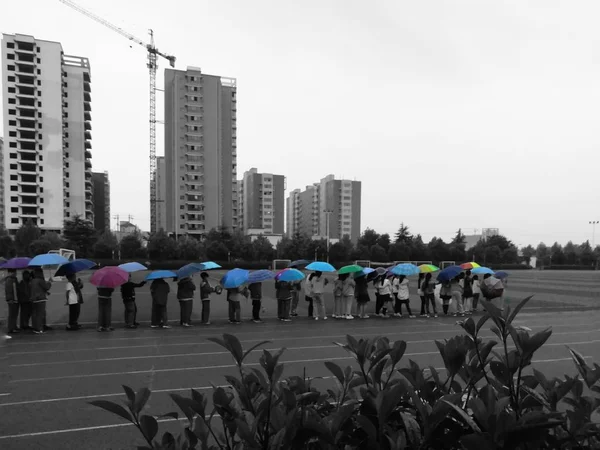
<point x="353" y="268"/>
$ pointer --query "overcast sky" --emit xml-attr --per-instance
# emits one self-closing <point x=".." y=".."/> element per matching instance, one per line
<point x="453" y="114"/>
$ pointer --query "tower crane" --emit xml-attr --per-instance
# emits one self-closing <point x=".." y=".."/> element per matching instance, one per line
<point x="153" y="54"/>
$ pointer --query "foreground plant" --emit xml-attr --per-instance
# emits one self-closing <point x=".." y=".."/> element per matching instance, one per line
<point x="487" y="399"/>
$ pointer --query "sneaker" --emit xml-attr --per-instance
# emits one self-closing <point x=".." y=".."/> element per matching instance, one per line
<point x="15" y="331"/>
<point x="435" y="315"/>
<point x="38" y="332"/>
<point x="131" y="327"/>
<point x="287" y="320"/>
<point x="153" y="326"/>
<point x="206" y="323"/>
<point x="294" y="314"/>
<point x="257" y="321"/>
<point x="349" y="317"/>
<point x="325" y="318"/>
<point x="109" y="329"/>
<point x="187" y="325"/>
<point x="7" y="337"/>
<point x="99" y="329"/>
<point x="137" y="324"/>
<point x="365" y="316"/>
<point x="411" y="316"/>
<point x="166" y="326"/>
<point x="316" y="318"/>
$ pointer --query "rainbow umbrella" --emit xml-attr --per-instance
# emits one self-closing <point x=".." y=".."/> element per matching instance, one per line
<point x="469" y="265"/>
<point x="428" y="268"/>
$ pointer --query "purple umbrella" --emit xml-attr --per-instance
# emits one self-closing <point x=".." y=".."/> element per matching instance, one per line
<point x="16" y="263"/>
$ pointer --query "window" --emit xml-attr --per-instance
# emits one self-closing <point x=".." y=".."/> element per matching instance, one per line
<point x="12" y="123"/>
<point x="10" y="56"/>
<point x="39" y="146"/>
<point x="14" y="210"/>
<point x="42" y="221"/>
<point x="12" y="112"/>
<point x="39" y="71"/>
<point x="13" y="167"/>
<point x="14" y="199"/>
<point x="12" y="133"/>
<point x="39" y="92"/>
<point x="12" y="101"/>
<point x="14" y="220"/>
<point x="13" y="156"/>
<point x="10" y="45"/>
<point x="12" y="144"/>
<point x="39" y="82"/>
<point x="41" y="178"/>
<point x="14" y="188"/>
<point x="41" y="200"/>
<point x="10" y="67"/>
<point x="40" y="126"/>
<point x="68" y="204"/>
<point x="39" y="115"/>
<point x="42" y="190"/>
<point x="14" y="178"/>
<point x="39" y="60"/>
<point x="11" y="78"/>
<point x="39" y="103"/>
<point x="39" y="49"/>
<point x="40" y="136"/>
<point x="11" y="90"/>
<point x="42" y="210"/>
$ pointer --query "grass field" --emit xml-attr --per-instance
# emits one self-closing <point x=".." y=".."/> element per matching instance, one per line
<point x="48" y="380"/>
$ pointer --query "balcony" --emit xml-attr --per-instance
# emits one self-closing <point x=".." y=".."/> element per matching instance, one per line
<point x="87" y="126"/>
<point x="24" y="69"/>
<point x="26" y="124"/>
<point x="28" y="47"/>
<point x="87" y="134"/>
<point x="86" y="77"/>
<point x="27" y="169"/>
<point x="27" y="147"/>
<point x="88" y="154"/>
<point x="87" y="145"/>
<point x="25" y="91"/>
<point x="26" y="137"/>
<point x="27" y="157"/>
<point x="87" y="107"/>
<point x="87" y="87"/>
<point x="26" y="80"/>
<point x="87" y="116"/>
<point x="88" y="164"/>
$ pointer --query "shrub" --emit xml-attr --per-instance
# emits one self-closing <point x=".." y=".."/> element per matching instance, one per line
<point x="484" y="401"/>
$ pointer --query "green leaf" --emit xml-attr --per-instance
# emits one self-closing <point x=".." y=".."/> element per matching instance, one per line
<point x="536" y="341"/>
<point x="413" y="430"/>
<point x="482" y="321"/>
<point x="113" y="408"/>
<point x="141" y="398"/>
<point x="184" y="405"/>
<point x="336" y="371"/>
<point x="464" y="416"/>
<point x="149" y="426"/>
<point x="168" y="440"/>
<point x="130" y="395"/>
<point x="254" y="347"/>
<point x="368" y="427"/>
<point x="235" y="347"/>
<point x="397" y="351"/>
<point x="518" y="308"/>
<point x="469" y="326"/>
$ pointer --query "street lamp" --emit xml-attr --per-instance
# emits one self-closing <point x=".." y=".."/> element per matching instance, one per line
<point x="327" y="214"/>
<point x="593" y="223"/>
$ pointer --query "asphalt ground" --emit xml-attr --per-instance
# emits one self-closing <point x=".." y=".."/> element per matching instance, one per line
<point x="48" y="380"/>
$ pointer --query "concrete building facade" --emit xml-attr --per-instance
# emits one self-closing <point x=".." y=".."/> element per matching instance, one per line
<point x="200" y="152"/>
<point x="262" y="202"/>
<point x="161" y="194"/>
<point x="47" y="127"/>
<point x="2" y="224"/>
<point x="328" y="208"/>
<point x="101" y="199"/>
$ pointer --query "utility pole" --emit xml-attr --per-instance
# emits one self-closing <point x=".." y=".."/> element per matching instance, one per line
<point x="593" y="223"/>
<point x="327" y="216"/>
<point x="117" y="221"/>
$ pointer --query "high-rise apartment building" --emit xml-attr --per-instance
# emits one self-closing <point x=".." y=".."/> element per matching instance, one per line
<point x="262" y="202"/>
<point x="101" y="198"/>
<point x="2" y="224"/>
<point x="200" y="152"/>
<point x="47" y="127"/>
<point x="161" y="194"/>
<point x="330" y="208"/>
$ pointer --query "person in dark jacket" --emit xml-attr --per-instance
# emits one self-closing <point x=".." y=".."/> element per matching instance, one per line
<point x="105" y="309"/>
<point x="205" y="290"/>
<point x="74" y="299"/>
<point x="128" y="296"/>
<point x="12" y="299"/>
<point x="185" y="295"/>
<point x="283" y="292"/>
<point x="25" y="300"/>
<point x="256" y="297"/>
<point x="159" y="289"/>
<point x="39" y="296"/>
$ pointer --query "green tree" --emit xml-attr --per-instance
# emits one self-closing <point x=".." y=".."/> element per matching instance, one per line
<point x="557" y="254"/>
<point x="368" y="238"/>
<point x="457" y="247"/>
<point x="342" y="251"/>
<point x="262" y="250"/>
<point x="7" y="246"/>
<point x="25" y="235"/>
<point x="403" y="234"/>
<point x="39" y="246"/>
<point x="384" y="241"/>
<point x="316" y="247"/>
<point x="439" y="250"/>
<point x="162" y="247"/>
<point x="528" y="253"/>
<point x="106" y="245"/>
<point x="80" y="236"/>
<point x="543" y="254"/>
<point x="217" y="251"/>
<point x="378" y="254"/>
<point x="189" y="248"/>
<point x="586" y="254"/>
<point x="571" y="254"/>
<point x="399" y="251"/>
<point x="130" y="246"/>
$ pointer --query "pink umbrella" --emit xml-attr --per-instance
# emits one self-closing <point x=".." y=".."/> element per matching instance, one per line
<point x="109" y="277"/>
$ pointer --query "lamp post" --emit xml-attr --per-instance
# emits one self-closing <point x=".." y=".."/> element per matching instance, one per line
<point x="327" y="214"/>
<point x="593" y="223"/>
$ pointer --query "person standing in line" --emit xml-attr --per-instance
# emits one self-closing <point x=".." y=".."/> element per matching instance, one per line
<point x="11" y="291"/>
<point x="348" y="290"/>
<point x="185" y="295"/>
<point x="476" y="292"/>
<point x="159" y="289"/>
<point x="39" y="296"/>
<point x="421" y="294"/>
<point x="338" y="288"/>
<point x="445" y="295"/>
<point x="428" y="288"/>
<point x="395" y="289"/>
<point x="74" y="299"/>
<point x="384" y="288"/>
<point x="308" y="294"/>
<point x="105" y="309"/>
<point x="467" y="296"/>
<point x="234" y="298"/>
<point x="404" y="296"/>
<point x="25" y="300"/>
<point x="296" y="288"/>
<point x="256" y="297"/>
<point x="128" y="296"/>
<point x="362" y="296"/>
<point x="283" y="293"/>
<point x="318" y="289"/>
<point x="457" y="294"/>
<point x="205" y="290"/>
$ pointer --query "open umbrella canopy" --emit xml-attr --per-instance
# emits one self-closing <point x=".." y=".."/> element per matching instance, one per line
<point x="405" y="269"/>
<point x="353" y="268"/>
<point x="319" y="266"/>
<point x="492" y="287"/>
<point x="48" y="259"/>
<point x="501" y="274"/>
<point x="77" y="265"/>
<point x="289" y="274"/>
<point x="235" y="278"/>
<point x="16" y="263"/>
<point x="159" y="274"/>
<point x="109" y="277"/>
<point x="448" y="273"/>
<point x="299" y="263"/>
<point x="363" y="272"/>
<point x="132" y="267"/>
<point x="469" y="265"/>
<point x="258" y="276"/>
<point x="482" y="271"/>
<point x="209" y="265"/>
<point x="428" y="268"/>
<point x="189" y="269"/>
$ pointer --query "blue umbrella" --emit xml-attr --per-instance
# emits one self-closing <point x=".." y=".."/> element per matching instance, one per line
<point x="189" y="269"/>
<point x="209" y="265"/>
<point x="48" y="259"/>
<point x="132" y="267"/>
<point x="259" y="276"/>
<point x="290" y="275"/>
<point x="158" y="274"/>
<point x="235" y="278"/>
<point x="482" y="271"/>
<point x="77" y="265"/>
<point x="300" y="263"/>
<point x="501" y="274"/>
<point x="319" y="266"/>
<point x="448" y="273"/>
<point x="365" y="271"/>
<point x="405" y="269"/>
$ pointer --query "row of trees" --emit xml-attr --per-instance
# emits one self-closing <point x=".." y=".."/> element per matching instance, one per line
<point x="221" y="245"/>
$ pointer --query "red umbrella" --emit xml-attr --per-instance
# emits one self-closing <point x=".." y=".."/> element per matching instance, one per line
<point x="109" y="277"/>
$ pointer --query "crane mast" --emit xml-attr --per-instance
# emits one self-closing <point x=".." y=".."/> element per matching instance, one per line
<point x="153" y="54"/>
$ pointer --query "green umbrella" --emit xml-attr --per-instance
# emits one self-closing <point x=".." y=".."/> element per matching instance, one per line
<point x="350" y="269"/>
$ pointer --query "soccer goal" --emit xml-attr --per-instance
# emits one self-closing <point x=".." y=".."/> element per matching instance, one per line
<point x="280" y="264"/>
<point x="363" y="263"/>
<point x="420" y="263"/>
<point x="65" y="252"/>
<point x="445" y="264"/>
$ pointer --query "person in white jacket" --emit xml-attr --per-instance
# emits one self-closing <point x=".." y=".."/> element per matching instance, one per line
<point x="384" y="288"/>
<point x="476" y="291"/>
<point x="318" y="284"/>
